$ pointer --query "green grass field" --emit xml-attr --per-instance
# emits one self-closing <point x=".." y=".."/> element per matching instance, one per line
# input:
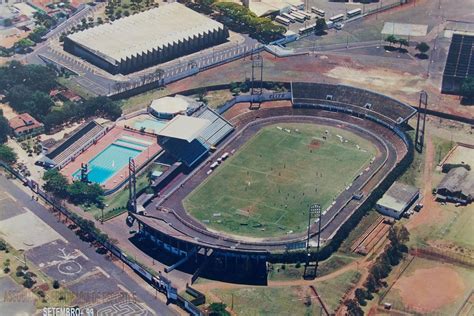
<point x="265" y="189"/>
<point x="269" y="300"/>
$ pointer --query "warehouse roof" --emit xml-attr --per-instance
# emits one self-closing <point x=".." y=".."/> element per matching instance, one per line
<point x="398" y="196"/>
<point x="184" y="127"/>
<point x="145" y="31"/>
<point x="458" y="180"/>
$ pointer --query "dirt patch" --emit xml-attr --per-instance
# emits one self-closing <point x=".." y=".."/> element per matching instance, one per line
<point x="8" y="112"/>
<point x="380" y="79"/>
<point x="430" y="289"/>
<point x="315" y="144"/>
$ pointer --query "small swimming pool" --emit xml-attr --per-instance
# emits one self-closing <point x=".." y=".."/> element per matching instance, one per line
<point x="110" y="160"/>
<point x="150" y="124"/>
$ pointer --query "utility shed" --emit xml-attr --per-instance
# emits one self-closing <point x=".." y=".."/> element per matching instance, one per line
<point x="398" y="199"/>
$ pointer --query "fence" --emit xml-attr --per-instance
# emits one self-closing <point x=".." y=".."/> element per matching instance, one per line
<point x="156" y="281"/>
<point x="446" y="256"/>
<point x="173" y="74"/>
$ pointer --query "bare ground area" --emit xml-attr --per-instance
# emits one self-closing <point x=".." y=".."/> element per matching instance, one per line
<point x="431" y="289"/>
<point x="401" y="79"/>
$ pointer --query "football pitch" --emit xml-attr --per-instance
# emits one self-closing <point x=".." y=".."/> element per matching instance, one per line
<point x="265" y="188"/>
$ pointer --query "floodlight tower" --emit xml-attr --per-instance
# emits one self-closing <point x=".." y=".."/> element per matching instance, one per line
<point x="420" y="130"/>
<point x="256" y="88"/>
<point x="132" y="186"/>
<point x="314" y="211"/>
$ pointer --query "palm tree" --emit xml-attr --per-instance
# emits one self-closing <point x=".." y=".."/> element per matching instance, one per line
<point x="391" y="39"/>
<point x="403" y="42"/>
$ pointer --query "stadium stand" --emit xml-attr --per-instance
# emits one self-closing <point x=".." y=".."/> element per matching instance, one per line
<point x="217" y="130"/>
<point x="181" y="138"/>
<point x="187" y="152"/>
<point x="459" y="63"/>
<point x="79" y="141"/>
<point x="373" y="103"/>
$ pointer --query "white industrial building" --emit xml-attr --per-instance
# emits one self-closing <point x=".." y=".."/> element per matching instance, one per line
<point x="397" y="200"/>
<point x="145" y="39"/>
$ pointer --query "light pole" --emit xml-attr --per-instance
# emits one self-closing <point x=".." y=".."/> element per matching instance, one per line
<point x="314" y="210"/>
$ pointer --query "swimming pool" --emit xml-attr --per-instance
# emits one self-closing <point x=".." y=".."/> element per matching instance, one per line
<point x="150" y="124"/>
<point x="110" y="160"/>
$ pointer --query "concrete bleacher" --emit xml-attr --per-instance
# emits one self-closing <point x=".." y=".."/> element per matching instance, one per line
<point x="76" y="143"/>
<point x="391" y="110"/>
<point x="217" y="130"/>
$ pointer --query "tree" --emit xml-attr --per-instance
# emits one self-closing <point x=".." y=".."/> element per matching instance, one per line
<point x="24" y="45"/>
<point x="56" y="284"/>
<point x="39" y="104"/>
<point x="37" y="34"/>
<point x="391" y="39"/>
<point x="55" y="183"/>
<point x="218" y="309"/>
<point x="353" y="308"/>
<point x="422" y="48"/>
<point x="371" y="283"/>
<point x="84" y="193"/>
<point x="403" y="42"/>
<point x="360" y="296"/>
<point x="320" y="26"/>
<point x="4" y="128"/>
<point x="7" y="155"/>
<point x="467" y="88"/>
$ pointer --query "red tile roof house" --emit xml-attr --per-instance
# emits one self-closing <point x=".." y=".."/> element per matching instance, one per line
<point x="24" y="124"/>
<point x="68" y="95"/>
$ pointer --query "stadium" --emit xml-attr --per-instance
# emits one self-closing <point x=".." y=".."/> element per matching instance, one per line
<point x="217" y="213"/>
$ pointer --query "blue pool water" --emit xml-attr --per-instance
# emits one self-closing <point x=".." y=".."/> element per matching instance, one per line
<point x="150" y="124"/>
<point x="108" y="162"/>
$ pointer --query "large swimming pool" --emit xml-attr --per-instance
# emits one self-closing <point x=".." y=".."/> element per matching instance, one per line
<point x="150" y="124"/>
<point x="113" y="158"/>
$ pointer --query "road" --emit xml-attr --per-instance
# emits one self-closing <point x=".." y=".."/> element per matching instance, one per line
<point x="23" y="200"/>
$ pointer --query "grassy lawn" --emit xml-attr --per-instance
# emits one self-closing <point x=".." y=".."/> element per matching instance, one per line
<point x="265" y="189"/>
<point x="216" y="99"/>
<point x="53" y="297"/>
<point x="268" y="300"/>
<point x="333" y="290"/>
<point x="414" y="174"/>
<point x="142" y="100"/>
<point x="285" y="272"/>
<point x="356" y="232"/>
<point x="442" y="147"/>
<point x="71" y="85"/>
<point x="455" y="228"/>
<point x="335" y="262"/>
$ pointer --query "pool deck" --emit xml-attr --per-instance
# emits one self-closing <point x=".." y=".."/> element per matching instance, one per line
<point x="131" y="122"/>
<point x="103" y="143"/>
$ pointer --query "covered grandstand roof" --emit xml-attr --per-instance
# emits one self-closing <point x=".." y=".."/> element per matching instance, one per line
<point x="73" y="143"/>
<point x="143" y="32"/>
<point x="460" y="60"/>
<point x="184" y="127"/>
